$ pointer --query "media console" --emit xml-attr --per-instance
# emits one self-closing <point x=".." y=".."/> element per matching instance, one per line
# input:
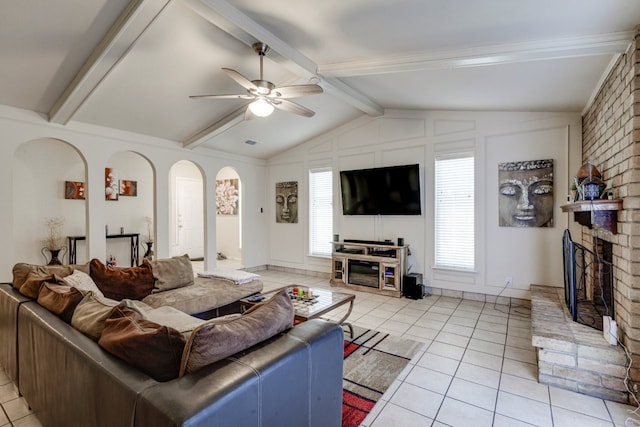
<point x="369" y="266"/>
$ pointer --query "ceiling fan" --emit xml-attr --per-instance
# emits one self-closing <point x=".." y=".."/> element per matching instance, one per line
<point x="265" y="96"/>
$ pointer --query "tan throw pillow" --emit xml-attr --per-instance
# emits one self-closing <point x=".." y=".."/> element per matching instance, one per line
<point x="171" y="273"/>
<point x="59" y="299"/>
<point x="216" y="340"/>
<point x="22" y="270"/>
<point x="33" y="282"/>
<point x="82" y="281"/>
<point x="91" y="313"/>
<point x="152" y="348"/>
<point x="121" y="283"/>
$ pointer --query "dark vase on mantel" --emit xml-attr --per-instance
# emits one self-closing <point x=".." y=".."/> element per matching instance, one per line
<point x="56" y="255"/>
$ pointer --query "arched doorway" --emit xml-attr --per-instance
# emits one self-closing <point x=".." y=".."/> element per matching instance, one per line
<point x="41" y="170"/>
<point x="187" y="210"/>
<point x="129" y="205"/>
<point x="228" y="219"/>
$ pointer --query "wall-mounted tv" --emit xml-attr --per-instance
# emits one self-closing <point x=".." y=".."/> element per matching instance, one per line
<point x="393" y="190"/>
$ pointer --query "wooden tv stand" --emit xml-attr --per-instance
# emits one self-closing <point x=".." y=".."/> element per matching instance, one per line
<point x="369" y="267"/>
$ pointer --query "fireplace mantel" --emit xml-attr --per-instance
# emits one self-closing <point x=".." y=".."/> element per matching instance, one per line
<point x="601" y="213"/>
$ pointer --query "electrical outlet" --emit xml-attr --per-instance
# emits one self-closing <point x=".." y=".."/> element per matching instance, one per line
<point x="508" y="281"/>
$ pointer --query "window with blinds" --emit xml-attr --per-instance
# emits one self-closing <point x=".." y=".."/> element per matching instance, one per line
<point x="454" y="212"/>
<point x="320" y="211"/>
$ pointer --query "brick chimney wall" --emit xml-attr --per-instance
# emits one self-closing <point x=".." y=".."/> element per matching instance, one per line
<point x="611" y="141"/>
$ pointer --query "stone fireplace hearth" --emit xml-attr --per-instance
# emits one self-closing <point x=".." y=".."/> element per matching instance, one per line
<point x="573" y="356"/>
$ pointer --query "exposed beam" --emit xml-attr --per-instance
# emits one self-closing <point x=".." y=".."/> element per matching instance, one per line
<point x="231" y="20"/>
<point x="129" y="26"/>
<point x="508" y="53"/>
<point x="221" y="126"/>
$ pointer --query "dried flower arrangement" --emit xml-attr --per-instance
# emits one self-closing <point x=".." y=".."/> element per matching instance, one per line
<point x="54" y="240"/>
<point x="149" y="221"/>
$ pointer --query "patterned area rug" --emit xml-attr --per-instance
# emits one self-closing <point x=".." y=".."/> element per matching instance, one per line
<point x="372" y="360"/>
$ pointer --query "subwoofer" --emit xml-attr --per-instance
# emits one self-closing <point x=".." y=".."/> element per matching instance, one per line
<point x="412" y="286"/>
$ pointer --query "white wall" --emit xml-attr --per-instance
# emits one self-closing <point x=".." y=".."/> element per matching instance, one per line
<point x="96" y="145"/>
<point x="529" y="255"/>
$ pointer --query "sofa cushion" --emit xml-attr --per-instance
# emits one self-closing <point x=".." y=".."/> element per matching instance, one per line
<point x="81" y="280"/>
<point x="121" y="283"/>
<point x="59" y="299"/>
<point x="91" y="313"/>
<point x="216" y="340"/>
<point x="22" y="270"/>
<point x="203" y="295"/>
<point x="150" y="347"/>
<point x="171" y="273"/>
<point x="173" y="318"/>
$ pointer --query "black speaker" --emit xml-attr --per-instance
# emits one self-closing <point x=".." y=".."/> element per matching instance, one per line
<point x="400" y="241"/>
<point x="412" y="286"/>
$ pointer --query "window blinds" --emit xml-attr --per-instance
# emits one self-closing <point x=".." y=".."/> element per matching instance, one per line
<point x="454" y="212"/>
<point x="320" y="211"/>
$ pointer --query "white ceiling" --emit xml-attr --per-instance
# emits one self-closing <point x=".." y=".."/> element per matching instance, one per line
<point x="132" y="65"/>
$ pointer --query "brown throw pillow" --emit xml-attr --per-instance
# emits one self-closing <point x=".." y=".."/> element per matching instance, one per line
<point x="59" y="299"/>
<point x="171" y="273"/>
<point x="121" y="283"/>
<point x="150" y="347"/>
<point x="215" y="340"/>
<point x="21" y="272"/>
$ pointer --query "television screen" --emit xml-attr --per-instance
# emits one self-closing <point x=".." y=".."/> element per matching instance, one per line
<point x="391" y="190"/>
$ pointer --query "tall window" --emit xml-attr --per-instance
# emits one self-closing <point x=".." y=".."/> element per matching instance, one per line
<point x="454" y="216"/>
<point x="320" y="211"/>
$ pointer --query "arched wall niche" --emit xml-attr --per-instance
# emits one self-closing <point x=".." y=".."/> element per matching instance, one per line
<point x="40" y="170"/>
<point x="186" y="210"/>
<point x="229" y="218"/>
<point x="129" y="204"/>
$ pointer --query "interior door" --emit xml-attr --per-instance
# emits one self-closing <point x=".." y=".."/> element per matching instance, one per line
<point x="189" y="218"/>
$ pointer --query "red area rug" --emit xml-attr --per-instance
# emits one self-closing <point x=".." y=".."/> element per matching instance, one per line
<point x="372" y="360"/>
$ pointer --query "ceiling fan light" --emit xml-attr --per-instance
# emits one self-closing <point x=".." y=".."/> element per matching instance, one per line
<point x="261" y="107"/>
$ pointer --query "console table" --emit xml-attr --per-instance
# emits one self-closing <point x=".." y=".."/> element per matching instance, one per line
<point x="370" y="267"/>
<point x="134" y="237"/>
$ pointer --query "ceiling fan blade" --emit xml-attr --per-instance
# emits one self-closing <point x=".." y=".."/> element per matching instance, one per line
<point x="221" y="96"/>
<point x="240" y="79"/>
<point x="292" y="107"/>
<point x="298" y="90"/>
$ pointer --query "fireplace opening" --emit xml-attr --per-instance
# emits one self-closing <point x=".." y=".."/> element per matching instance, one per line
<point x="588" y="281"/>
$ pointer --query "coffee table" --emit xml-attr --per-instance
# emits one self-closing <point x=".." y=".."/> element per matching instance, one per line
<point x="306" y="308"/>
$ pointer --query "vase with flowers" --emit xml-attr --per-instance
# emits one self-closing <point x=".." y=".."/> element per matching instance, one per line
<point x="54" y="242"/>
<point x="148" y="254"/>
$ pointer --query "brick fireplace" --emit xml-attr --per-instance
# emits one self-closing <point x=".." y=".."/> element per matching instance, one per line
<point x="572" y="355"/>
<point x="611" y="141"/>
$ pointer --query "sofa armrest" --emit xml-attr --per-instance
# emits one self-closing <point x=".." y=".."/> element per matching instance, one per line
<point x="68" y="379"/>
<point x="294" y="378"/>
<point x="10" y="300"/>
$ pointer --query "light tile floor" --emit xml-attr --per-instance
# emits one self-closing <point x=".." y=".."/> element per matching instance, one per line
<point x="477" y="367"/>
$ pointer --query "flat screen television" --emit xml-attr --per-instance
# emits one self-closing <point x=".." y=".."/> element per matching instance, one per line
<point x="393" y="190"/>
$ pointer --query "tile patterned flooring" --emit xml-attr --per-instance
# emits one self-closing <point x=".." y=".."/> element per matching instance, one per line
<point x="477" y="367"/>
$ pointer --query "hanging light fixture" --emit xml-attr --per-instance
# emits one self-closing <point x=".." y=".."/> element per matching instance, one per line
<point x="261" y="107"/>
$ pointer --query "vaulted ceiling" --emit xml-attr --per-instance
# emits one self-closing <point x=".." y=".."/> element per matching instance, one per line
<point x="132" y="65"/>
